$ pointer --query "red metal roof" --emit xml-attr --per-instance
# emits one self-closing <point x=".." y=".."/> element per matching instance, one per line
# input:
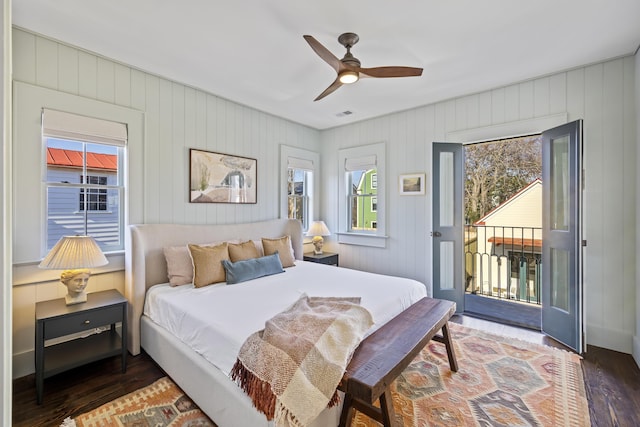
<point x="73" y="158"/>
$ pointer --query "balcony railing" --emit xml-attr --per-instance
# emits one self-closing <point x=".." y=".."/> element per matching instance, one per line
<point x="504" y="262"/>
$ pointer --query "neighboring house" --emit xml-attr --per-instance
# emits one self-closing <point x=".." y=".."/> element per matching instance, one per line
<point x="366" y="212"/>
<point x="506" y="254"/>
<point x="68" y="206"/>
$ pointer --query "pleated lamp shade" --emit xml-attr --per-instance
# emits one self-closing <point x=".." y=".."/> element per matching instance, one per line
<point x="73" y="252"/>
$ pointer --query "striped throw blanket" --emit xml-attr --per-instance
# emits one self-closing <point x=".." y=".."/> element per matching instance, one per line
<point x="292" y="367"/>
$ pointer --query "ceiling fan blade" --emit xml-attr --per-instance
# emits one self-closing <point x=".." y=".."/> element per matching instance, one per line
<point x="334" y="86"/>
<point x="391" y="71"/>
<point x="324" y="53"/>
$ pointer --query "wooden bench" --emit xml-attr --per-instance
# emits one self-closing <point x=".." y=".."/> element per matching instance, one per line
<point x="382" y="356"/>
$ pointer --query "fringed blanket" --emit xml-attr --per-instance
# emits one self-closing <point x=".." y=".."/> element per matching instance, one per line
<point x="292" y="367"/>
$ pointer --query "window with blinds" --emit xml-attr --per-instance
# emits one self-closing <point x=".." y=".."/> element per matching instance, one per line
<point x="83" y="178"/>
<point x="362" y="197"/>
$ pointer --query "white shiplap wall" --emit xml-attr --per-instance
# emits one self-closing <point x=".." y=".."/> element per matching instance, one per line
<point x="600" y="94"/>
<point x="177" y="117"/>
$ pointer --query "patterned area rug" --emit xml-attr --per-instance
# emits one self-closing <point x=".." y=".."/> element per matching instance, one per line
<point x="501" y="381"/>
<point x="161" y="404"/>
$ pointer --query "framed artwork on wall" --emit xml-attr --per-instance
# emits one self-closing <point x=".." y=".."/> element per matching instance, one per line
<point x="412" y="184"/>
<point x="221" y="178"/>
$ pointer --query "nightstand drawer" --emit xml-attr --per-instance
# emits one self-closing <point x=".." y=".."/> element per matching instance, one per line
<point x="82" y="321"/>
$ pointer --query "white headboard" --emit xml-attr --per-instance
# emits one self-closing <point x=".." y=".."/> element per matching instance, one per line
<point x="146" y="266"/>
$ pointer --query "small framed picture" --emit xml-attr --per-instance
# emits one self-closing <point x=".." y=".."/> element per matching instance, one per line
<point x="412" y="184"/>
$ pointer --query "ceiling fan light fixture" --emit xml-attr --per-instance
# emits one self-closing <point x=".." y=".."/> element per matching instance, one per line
<point x="348" y="77"/>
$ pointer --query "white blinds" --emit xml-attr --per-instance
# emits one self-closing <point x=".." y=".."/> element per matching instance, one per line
<point x="297" y="163"/>
<point x="360" y="163"/>
<point x="58" y="124"/>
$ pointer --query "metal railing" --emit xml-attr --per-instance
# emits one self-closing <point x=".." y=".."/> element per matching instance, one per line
<point x="503" y="262"/>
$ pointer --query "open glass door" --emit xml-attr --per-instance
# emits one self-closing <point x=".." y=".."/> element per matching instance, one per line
<point x="448" y="223"/>
<point x="562" y="316"/>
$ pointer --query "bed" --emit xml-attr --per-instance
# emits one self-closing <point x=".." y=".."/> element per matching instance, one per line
<point x="202" y="371"/>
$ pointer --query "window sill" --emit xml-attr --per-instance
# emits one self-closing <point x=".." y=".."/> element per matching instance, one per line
<point x="361" y="239"/>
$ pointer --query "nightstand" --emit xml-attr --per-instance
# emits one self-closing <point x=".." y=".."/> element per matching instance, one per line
<point x="55" y="319"/>
<point x="324" y="258"/>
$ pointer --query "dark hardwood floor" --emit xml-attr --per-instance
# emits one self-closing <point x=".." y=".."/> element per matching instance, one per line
<point x="612" y="382"/>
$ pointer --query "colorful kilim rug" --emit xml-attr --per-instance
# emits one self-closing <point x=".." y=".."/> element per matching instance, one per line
<point x="501" y="381"/>
<point x="161" y="404"/>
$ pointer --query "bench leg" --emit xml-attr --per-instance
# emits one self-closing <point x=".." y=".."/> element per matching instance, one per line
<point x="347" y="414"/>
<point x="453" y="364"/>
<point x="389" y="418"/>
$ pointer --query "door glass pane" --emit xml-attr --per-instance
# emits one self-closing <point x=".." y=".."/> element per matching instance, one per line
<point x="446" y="265"/>
<point x="446" y="189"/>
<point x="560" y="183"/>
<point x="560" y="279"/>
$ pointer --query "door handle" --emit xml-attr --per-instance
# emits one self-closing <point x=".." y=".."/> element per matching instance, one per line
<point x="436" y="234"/>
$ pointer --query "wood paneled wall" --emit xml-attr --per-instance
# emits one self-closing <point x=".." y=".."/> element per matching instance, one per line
<point x="602" y="95"/>
<point x="177" y="117"/>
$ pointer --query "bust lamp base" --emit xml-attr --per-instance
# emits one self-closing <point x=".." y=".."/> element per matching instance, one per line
<point x="318" y="242"/>
<point x="76" y="283"/>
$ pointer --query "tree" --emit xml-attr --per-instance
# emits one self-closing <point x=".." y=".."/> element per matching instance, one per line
<point x="496" y="170"/>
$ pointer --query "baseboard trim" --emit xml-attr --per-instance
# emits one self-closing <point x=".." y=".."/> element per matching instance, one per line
<point x="612" y="339"/>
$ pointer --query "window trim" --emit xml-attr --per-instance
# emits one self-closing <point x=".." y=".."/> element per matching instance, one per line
<point x="349" y="156"/>
<point x="28" y="252"/>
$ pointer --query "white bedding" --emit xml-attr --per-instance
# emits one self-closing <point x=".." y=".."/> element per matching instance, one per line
<point x="215" y="320"/>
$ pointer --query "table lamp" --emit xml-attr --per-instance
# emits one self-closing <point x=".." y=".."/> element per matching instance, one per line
<point x="74" y="254"/>
<point x="317" y="230"/>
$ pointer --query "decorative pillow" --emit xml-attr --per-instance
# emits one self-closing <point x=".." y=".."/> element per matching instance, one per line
<point x="207" y="264"/>
<point x="243" y="251"/>
<point x="242" y="271"/>
<point x="259" y="247"/>
<point x="179" y="265"/>
<point x="283" y="247"/>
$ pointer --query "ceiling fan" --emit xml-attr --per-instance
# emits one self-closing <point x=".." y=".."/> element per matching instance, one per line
<point x="348" y="68"/>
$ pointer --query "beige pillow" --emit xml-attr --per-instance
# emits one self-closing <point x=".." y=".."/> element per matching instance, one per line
<point x="207" y="264"/>
<point x="179" y="265"/>
<point x="243" y="251"/>
<point x="283" y="247"/>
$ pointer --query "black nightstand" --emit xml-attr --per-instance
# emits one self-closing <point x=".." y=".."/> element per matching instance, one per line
<point x="324" y="258"/>
<point x="56" y="319"/>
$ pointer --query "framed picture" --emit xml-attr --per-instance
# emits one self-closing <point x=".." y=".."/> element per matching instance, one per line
<point x="412" y="184"/>
<point x="221" y="178"/>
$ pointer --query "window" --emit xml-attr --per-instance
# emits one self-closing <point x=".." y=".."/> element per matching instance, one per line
<point x="83" y="179"/>
<point x="298" y="194"/>
<point x="299" y="185"/>
<point x="361" y="199"/>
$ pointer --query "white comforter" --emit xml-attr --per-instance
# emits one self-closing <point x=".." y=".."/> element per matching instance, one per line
<point x="216" y="320"/>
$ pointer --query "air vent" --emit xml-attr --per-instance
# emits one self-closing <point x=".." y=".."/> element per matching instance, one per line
<point x="344" y="113"/>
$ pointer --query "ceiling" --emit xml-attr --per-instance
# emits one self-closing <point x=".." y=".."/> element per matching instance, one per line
<point x="252" y="51"/>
